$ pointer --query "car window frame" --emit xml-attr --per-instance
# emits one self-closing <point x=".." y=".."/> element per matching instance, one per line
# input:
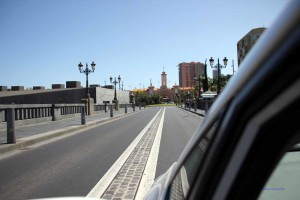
<point x="208" y="127"/>
<point x="277" y="57"/>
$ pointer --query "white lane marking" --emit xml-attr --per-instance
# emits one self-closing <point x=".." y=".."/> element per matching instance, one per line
<point x="150" y="169"/>
<point x="105" y="181"/>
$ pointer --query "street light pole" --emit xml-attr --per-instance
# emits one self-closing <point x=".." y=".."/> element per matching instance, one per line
<point x="115" y="82"/>
<point x="87" y="71"/>
<point x="232" y="68"/>
<point x="218" y="66"/>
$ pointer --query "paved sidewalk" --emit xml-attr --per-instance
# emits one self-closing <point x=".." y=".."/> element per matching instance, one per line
<point x="30" y="134"/>
<point x="197" y="111"/>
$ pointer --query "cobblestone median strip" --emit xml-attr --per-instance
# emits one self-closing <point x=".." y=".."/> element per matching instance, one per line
<point x="126" y="182"/>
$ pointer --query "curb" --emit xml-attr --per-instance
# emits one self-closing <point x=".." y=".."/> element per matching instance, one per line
<point x="200" y="114"/>
<point x="41" y="137"/>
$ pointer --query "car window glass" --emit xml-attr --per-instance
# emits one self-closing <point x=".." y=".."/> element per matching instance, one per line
<point x="285" y="179"/>
<point x="185" y="177"/>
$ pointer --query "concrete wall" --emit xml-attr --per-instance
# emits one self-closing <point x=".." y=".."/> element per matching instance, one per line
<point x="17" y="88"/>
<point x="73" y="84"/>
<point x="62" y="96"/>
<point x="104" y="94"/>
<point x="58" y="86"/>
<point x="3" y="88"/>
<point x="44" y="96"/>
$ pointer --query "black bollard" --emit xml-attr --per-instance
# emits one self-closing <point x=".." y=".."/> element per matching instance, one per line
<point x="111" y="111"/>
<point x="11" y="130"/>
<point x="83" y="122"/>
<point x="125" y="108"/>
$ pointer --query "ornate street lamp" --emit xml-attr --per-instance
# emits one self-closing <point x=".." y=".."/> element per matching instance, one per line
<point x="115" y="82"/>
<point x="218" y="66"/>
<point x="87" y="71"/>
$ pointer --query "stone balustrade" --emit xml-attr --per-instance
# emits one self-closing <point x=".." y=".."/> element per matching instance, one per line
<point x="101" y="107"/>
<point x="14" y="115"/>
<point x="25" y="114"/>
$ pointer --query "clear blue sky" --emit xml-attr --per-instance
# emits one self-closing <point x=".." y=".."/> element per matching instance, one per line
<point x="43" y="41"/>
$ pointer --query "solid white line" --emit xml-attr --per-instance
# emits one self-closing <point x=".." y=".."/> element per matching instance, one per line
<point x="105" y="181"/>
<point x="150" y="169"/>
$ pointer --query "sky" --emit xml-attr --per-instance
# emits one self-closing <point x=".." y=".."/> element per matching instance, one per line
<point x="43" y="41"/>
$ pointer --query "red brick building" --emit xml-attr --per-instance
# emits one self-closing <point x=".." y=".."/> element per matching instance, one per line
<point x="188" y="71"/>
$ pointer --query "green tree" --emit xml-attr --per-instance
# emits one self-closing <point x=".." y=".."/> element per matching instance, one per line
<point x="223" y="81"/>
<point x="154" y="99"/>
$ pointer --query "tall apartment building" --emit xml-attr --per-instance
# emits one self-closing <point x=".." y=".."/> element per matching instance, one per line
<point x="247" y="42"/>
<point x="188" y="71"/>
<point x="215" y="74"/>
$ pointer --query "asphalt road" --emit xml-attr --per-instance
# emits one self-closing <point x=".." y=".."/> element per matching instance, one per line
<point x="73" y="165"/>
<point x="179" y="125"/>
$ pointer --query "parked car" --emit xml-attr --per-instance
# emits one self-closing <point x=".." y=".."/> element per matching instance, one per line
<point x="247" y="146"/>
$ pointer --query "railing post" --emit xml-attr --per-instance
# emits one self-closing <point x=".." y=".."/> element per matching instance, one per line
<point x="126" y="108"/>
<point x="111" y="111"/>
<point x="206" y="106"/>
<point x="11" y="131"/>
<point x="56" y="113"/>
<point x="2" y="115"/>
<point x="83" y="122"/>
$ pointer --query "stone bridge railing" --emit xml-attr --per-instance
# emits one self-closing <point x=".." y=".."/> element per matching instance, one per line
<point x="14" y="115"/>
<point x="105" y="107"/>
<point x="25" y="114"/>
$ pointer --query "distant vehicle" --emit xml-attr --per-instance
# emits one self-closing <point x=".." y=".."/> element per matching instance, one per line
<point x="247" y="146"/>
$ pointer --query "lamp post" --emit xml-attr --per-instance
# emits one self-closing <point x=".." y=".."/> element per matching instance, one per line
<point x="87" y="71"/>
<point x="115" y="82"/>
<point x="218" y="66"/>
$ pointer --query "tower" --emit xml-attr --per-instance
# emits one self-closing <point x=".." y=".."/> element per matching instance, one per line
<point x="163" y="80"/>
<point x="151" y="88"/>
